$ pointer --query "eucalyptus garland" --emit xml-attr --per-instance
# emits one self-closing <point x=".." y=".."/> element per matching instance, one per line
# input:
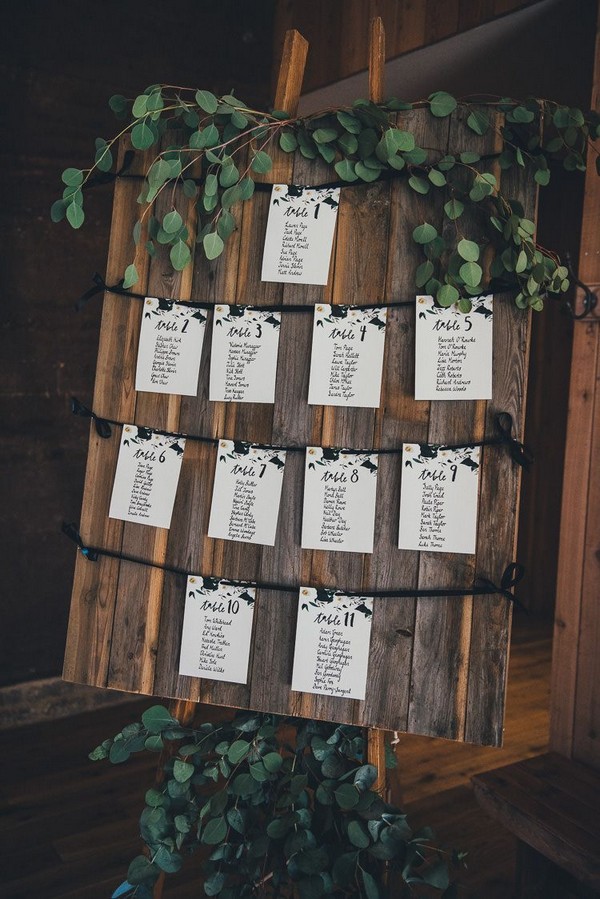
<point x="220" y="145"/>
<point x="277" y="816"/>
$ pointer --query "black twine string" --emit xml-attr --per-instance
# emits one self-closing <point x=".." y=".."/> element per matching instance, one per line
<point x="100" y="285"/>
<point x="503" y="422"/>
<point x="512" y="575"/>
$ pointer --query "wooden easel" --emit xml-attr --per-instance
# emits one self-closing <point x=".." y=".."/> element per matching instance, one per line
<point x="287" y="97"/>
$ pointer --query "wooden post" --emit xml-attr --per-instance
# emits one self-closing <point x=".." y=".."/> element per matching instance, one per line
<point x="376" y="738"/>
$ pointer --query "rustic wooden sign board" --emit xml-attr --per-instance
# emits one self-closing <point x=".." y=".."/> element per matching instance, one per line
<point x="437" y="666"/>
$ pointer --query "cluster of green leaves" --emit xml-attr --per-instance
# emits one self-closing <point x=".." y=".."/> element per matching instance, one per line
<point x="281" y="804"/>
<point x="220" y="145"/>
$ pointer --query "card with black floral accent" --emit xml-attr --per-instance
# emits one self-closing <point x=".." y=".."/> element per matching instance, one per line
<point x="217" y="630"/>
<point x="333" y="633"/>
<point x="453" y="350"/>
<point x="299" y="235"/>
<point x="339" y="500"/>
<point x="246" y="493"/>
<point x="243" y="358"/>
<point x="146" y="478"/>
<point x="438" y="498"/>
<point x="171" y="339"/>
<point x="347" y="356"/>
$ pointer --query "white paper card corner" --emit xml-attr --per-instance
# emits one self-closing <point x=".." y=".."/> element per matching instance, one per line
<point x="146" y="478"/>
<point x="333" y="635"/>
<point x="453" y="350"/>
<point x="347" y="356"/>
<point x="217" y="630"/>
<point x="243" y="358"/>
<point x="299" y="235"/>
<point x="439" y="498"/>
<point x="246" y="493"/>
<point x="339" y="500"/>
<point x="170" y="347"/>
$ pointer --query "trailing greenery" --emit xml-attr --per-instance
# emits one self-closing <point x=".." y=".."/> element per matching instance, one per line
<point x="221" y="144"/>
<point x="278" y="816"/>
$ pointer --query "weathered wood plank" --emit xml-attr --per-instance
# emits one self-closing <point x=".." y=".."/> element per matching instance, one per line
<point x="89" y="636"/>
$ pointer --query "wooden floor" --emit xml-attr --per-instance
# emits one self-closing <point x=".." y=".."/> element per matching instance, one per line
<point x="68" y="827"/>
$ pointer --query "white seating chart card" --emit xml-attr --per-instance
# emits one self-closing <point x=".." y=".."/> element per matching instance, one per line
<point x="438" y="498"/>
<point x="243" y="359"/>
<point x="146" y="478"/>
<point x="333" y="634"/>
<point x="170" y="348"/>
<point x="339" y="500"/>
<point x="299" y="236"/>
<point x="217" y="630"/>
<point x="347" y="356"/>
<point x="246" y="493"/>
<point x="453" y="351"/>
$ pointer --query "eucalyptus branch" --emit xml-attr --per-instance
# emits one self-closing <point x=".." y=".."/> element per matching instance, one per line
<point x="361" y="143"/>
<point x="273" y="818"/>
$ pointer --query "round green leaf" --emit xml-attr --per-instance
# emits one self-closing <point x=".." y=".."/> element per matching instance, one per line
<point x="454" y="209"/>
<point x="180" y="255"/>
<point x="72" y="177"/>
<point x="423" y="273"/>
<point x="103" y="159"/>
<point x="182" y="771"/>
<point x="225" y="224"/>
<point x="158" y="173"/>
<point x="207" y="101"/>
<point x="75" y="215"/>
<point x="172" y="222"/>
<point x="324" y="135"/>
<point x="437" y="178"/>
<point x="478" y="122"/>
<point x="118" y="103"/>
<point x="272" y="761"/>
<point x="130" y="278"/>
<point x="213" y="247"/>
<point x="214" y="831"/>
<point x="345" y="170"/>
<point x="214" y="883"/>
<point x="347" y="796"/>
<point x="142" y="136"/>
<point x="468" y="250"/>
<point x="288" y="141"/>
<point x="420" y="185"/>
<point x="447" y="295"/>
<point x="471" y="273"/>
<point x="441" y="104"/>
<point x="58" y="210"/>
<point x="262" y="162"/>
<point x="140" y="105"/>
<point x="357" y="835"/>
<point x="542" y="177"/>
<point x="424" y="233"/>
<point x="157" y="717"/>
<point x="229" y="175"/>
<point x="370" y="885"/>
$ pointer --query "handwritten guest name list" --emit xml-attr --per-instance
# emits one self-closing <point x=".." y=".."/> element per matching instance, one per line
<point x="171" y="338"/>
<point x="438" y="499"/>
<point x="217" y="630"/>
<point x="299" y="234"/>
<point x="247" y="492"/>
<point x="339" y="500"/>
<point x="333" y="634"/>
<point x="453" y="351"/>
<point x="146" y="478"/>
<point x="347" y="356"/>
<point x="243" y="359"/>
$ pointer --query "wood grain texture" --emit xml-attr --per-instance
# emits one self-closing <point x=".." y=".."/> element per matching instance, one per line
<point x="437" y="666"/>
<point x="575" y="708"/>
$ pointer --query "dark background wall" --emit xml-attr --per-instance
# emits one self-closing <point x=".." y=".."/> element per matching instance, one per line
<point x="59" y="64"/>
